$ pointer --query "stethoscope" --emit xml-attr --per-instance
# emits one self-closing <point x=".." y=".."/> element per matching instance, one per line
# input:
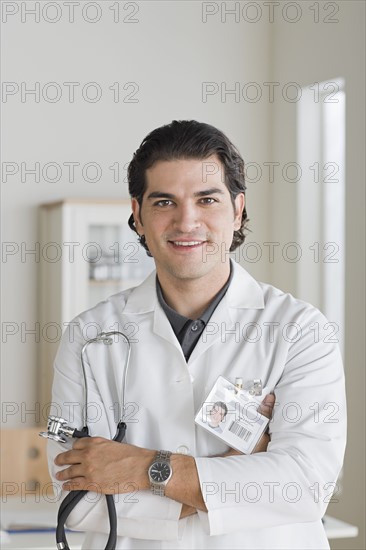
<point x="58" y="430"/>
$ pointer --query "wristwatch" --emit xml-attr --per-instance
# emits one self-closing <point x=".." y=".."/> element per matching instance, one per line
<point x="160" y="472"/>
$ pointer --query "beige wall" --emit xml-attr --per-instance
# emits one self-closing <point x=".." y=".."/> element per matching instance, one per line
<point x="307" y="53"/>
<point x="169" y="52"/>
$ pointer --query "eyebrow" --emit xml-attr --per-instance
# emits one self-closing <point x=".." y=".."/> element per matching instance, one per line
<point x="204" y="193"/>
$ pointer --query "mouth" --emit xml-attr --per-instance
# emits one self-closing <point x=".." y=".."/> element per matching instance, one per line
<point x="186" y="245"/>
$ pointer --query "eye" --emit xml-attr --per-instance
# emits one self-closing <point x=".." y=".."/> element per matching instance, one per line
<point x="208" y="200"/>
<point x="163" y="203"/>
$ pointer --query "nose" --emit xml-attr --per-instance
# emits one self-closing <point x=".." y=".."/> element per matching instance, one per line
<point x="186" y="219"/>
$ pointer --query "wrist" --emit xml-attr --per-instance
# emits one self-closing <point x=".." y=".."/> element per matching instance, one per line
<point x="183" y="466"/>
<point x="184" y="485"/>
<point x="160" y="472"/>
<point x="146" y="460"/>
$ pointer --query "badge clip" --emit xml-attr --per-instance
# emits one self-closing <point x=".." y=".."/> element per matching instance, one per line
<point x="256" y="388"/>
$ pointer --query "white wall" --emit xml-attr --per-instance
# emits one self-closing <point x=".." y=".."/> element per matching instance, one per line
<point x="306" y="53"/>
<point x="168" y="53"/>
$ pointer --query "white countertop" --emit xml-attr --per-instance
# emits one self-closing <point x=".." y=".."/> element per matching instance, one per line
<point x="32" y="513"/>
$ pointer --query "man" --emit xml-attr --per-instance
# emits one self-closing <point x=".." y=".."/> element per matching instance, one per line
<point x="216" y="415"/>
<point x="200" y="316"/>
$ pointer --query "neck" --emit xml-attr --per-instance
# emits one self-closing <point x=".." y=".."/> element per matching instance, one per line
<point x="191" y="297"/>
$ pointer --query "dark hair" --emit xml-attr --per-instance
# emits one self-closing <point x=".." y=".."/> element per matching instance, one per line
<point x="187" y="139"/>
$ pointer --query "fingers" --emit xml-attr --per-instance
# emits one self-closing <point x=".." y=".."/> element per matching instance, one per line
<point x="69" y="473"/>
<point x="232" y="452"/>
<point x="68" y="457"/>
<point x="74" y="456"/>
<point x="266" y="407"/>
<point x="187" y="511"/>
<point x="85" y="442"/>
<point x="262" y="444"/>
<point x="78" y="484"/>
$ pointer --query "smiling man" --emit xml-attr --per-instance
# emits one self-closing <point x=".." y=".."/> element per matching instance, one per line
<point x="188" y="219"/>
<point x="176" y="484"/>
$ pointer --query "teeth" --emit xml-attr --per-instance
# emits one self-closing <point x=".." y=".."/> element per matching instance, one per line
<point x="185" y="243"/>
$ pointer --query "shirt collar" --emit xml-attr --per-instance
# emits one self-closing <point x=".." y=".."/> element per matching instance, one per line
<point x="177" y="320"/>
<point x="243" y="292"/>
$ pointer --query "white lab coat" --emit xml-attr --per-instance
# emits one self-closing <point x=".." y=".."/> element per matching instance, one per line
<point x="271" y="500"/>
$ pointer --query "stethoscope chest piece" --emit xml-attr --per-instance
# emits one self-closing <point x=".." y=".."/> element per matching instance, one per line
<point x="59" y="430"/>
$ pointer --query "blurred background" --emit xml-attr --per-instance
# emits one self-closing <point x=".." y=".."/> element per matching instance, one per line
<point x="84" y="82"/>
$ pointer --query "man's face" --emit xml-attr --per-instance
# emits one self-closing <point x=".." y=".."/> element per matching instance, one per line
<point x="188" y="219"/>
<point x="216" y="415"/>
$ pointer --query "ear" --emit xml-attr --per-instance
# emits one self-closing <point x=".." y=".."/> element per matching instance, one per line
<point x="239" y="207"/>
<point x="136" y="215"/>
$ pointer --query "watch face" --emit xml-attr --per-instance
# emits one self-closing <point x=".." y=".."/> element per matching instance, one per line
<point x="160" y="472"/>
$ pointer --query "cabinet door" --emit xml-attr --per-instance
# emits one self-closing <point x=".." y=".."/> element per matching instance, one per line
<point x="108" y="259"/>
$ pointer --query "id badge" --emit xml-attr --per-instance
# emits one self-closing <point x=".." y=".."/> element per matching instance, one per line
<point x="230" y="412"/>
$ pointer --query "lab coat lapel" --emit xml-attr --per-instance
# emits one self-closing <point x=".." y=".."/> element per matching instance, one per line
<point x="243" y="293"/>
<point x="212" y="333"/>
<point x="143" y="299"/>
<point x="163" y="328"/>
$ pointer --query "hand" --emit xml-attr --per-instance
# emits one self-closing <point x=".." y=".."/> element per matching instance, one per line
<point x="265" y="408"/>
<point x="104" y="466"/>
<point x="187" y="511"/>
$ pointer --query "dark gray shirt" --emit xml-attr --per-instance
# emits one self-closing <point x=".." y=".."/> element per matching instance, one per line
<point x="188" y="331"/>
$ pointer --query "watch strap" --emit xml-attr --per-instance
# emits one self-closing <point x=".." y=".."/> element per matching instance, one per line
<point x="159" y="488"/>
<point x="163" y="455"/>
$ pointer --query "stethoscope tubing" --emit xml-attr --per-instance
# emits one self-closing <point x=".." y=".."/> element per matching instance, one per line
<point x="74" y="497"/>
<point x="69" y="503"/>
<point x="106" y="338"/>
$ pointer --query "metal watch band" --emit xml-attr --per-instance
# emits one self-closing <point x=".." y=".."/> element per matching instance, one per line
<point x="163" y="455"/>
<point x="158" y="489"/>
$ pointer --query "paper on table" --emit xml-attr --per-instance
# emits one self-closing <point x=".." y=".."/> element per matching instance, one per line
<point x="21" y="515"/>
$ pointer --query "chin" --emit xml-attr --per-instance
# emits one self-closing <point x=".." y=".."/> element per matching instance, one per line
<point x="187" y="273"/>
